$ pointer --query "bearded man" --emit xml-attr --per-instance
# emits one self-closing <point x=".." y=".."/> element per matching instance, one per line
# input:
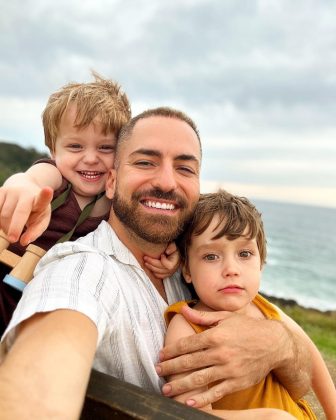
<point x="94" y="303"/>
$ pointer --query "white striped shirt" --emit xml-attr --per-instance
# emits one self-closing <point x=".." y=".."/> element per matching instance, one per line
<point x="99" y="277"/>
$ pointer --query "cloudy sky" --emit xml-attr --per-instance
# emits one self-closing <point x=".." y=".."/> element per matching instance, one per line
<point x="258" y="77"/>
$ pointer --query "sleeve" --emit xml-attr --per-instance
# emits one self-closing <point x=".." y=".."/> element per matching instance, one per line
<point x="69" y="276"/>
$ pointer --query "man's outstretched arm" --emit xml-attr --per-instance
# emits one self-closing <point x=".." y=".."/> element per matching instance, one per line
<point x="238" y="352"/>
<point x="45" y="373"/>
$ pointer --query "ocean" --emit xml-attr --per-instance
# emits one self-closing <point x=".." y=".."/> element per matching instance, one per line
<point x="301" y="261"/>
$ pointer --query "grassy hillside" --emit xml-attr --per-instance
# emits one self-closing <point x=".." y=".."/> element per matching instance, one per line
<point x="320" y="326"/>
<point x="14" y="158"/>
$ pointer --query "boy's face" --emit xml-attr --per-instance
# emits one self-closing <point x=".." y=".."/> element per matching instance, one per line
<point x="84" y="156"/>
<point x="225" y="274"/>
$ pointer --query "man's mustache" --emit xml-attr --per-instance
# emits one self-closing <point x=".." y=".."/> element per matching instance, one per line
<point x="163" y="195"/>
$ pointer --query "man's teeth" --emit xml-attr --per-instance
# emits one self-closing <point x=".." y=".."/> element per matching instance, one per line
<point x="158" y="205"/>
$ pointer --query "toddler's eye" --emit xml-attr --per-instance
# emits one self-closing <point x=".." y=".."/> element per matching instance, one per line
<point x="210" y="257"/>
<point x="245" y="254"/>
<point x="74" y="146"/>
<point x="107" y="148"/>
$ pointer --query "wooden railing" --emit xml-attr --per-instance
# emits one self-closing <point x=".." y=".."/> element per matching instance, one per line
<point x="109" y="398"/>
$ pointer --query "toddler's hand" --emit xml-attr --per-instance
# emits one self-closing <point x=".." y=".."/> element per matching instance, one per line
<point x="20" y="207"/>
<point x="167" y="264"/>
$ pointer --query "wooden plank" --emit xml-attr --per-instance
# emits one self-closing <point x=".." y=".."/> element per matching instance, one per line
<point x="108" y="397"/>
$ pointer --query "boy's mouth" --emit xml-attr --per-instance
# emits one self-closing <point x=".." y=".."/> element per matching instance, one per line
<point x="90" y="175"/>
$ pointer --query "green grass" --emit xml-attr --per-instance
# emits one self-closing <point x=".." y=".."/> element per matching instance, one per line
<point x="320" y="326"/>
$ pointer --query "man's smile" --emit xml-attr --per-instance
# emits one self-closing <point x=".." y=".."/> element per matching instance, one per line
<point x="158" y="205"/>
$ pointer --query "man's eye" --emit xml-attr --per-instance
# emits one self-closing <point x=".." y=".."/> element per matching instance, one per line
<point x="143" y="163"/>
<point x="210" y="257"/>
<point x="186" y="169"/>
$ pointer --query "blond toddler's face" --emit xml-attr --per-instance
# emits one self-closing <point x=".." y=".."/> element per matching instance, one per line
<point x="225" y="273"/>
<point x="84" y="156"/>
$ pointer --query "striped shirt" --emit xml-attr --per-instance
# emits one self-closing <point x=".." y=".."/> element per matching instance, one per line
<point x="99" y="277"/>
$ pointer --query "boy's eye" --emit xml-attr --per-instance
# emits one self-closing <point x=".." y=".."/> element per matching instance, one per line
<point x="210" y="257"/>
<point x="107" y="148"/>
<point x="74" y="146"/>
<point x="245" y="254"/>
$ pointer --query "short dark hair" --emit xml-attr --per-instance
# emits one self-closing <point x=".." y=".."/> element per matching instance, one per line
<point x="236" y="214"/>
<point x="126" y="131"/>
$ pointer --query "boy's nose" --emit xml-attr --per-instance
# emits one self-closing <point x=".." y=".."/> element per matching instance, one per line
<point x="230" y="267"/>
<point x="90" y="156"/>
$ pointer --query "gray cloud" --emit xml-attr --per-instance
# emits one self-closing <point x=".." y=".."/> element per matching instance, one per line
<point x="250" y="72"/>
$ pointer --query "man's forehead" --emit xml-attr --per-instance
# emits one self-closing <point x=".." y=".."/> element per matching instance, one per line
<point x="161" y="132"/>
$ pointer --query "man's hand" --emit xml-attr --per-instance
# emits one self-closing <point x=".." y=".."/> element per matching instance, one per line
<point x="239" y="351"/>
<point x="20" y="207"/>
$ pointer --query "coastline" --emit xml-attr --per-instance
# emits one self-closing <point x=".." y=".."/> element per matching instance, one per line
<point x="290" y="303"/>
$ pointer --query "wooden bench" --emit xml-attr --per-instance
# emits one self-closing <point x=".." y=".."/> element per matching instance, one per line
<point x="109" y="398"/>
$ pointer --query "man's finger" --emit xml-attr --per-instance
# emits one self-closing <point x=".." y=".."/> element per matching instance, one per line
<point x="214" y="393"/>
<point x="197" y="379"/>
<point x="203" y="317"/>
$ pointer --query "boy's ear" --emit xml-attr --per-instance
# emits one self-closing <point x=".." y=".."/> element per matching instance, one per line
<point x="186" y="273"/>
<point x="110" y="184"/>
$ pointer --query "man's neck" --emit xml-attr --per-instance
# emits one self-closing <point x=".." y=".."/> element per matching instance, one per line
<point x="138" y="246"/>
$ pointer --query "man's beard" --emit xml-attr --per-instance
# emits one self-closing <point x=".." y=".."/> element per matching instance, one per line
<point x="157" y="229"/>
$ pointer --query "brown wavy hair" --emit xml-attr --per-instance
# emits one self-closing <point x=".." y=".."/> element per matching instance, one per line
<point x="237" y="217"/>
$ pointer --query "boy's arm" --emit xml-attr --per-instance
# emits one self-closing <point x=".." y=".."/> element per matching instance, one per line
<point x="178" y="328"/>
<point x="238" y="352"/>
<point x="45" y="373"/>
<point x="322" y="382"/>
<point x="25" y="201"/>
<point x="167" y="264"/>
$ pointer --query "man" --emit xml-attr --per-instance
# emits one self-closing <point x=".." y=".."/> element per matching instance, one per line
<point x="94" y="301"/>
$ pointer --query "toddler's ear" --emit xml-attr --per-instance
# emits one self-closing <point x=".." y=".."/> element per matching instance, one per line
<point x="110" y="183"/>
<point x="186" y="274"/>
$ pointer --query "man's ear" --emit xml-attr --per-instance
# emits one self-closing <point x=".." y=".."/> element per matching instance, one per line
<point x="186" y="273"/>
<point x="110" y="184"/>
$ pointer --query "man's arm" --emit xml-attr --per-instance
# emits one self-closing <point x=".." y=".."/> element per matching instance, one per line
<point x="322" y="382"/>
<point x="45" y="373"/>
<point x="239" y="352"/>
<point x="25" y="200"/>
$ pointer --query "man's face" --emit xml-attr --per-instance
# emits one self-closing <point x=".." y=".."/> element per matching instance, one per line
<point x="157" y="179"/>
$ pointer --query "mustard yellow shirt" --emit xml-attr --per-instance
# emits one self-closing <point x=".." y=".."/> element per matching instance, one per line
<point x="269" y="393"/>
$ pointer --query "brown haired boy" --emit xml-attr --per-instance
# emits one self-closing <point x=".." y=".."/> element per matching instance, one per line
<point x="223" y="251"/>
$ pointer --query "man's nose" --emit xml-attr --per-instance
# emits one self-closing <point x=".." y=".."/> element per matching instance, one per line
<point x="165" y="178"/>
